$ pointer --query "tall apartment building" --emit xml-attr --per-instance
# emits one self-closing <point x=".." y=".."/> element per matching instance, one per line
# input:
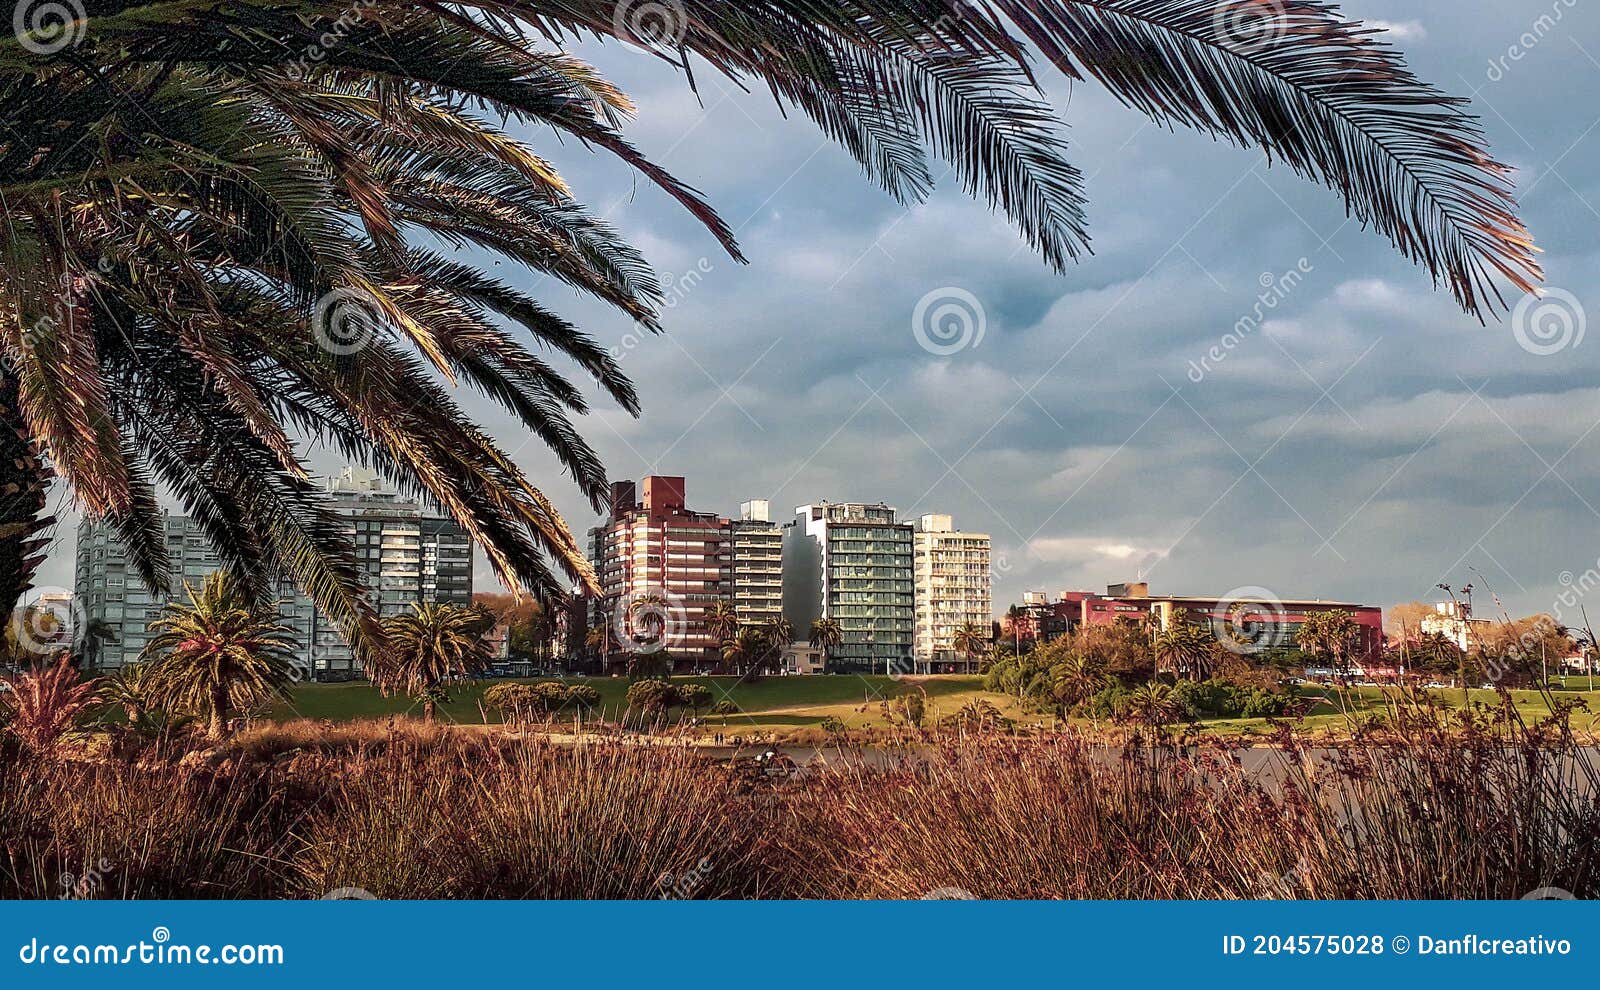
<point x="953" y="589"/>
<point x="852" y="562"/>
<point x="757" y="563"/>
<point x="666" y="564"/>
<point x="406" y="552"/>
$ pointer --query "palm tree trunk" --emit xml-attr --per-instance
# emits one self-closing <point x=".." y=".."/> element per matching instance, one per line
<point x="24" y="478"/>
<point x="219" y="711"/>
<point x="427" y="709"/>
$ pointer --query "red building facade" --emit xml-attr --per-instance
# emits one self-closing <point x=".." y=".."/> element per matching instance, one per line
<point x="1270" y="622"/>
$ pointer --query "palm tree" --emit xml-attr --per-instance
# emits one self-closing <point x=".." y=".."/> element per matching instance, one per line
<point x="91" y="636"/>
<point x="598" y="639"/>
<point x="1186" y="649"/>
<point x="826" y="636"/>
<point x="135" y="688"/>
<point x="970" y="640"/>
<point x="1153" y="705"/>
<point x="431" y="646"/>
<point x="722" y="620"/>
<point x="744" y="649"/>
<point x="44" y="704"/>
<point x="1075" y="679"/>
<point x="777" y="632"/>
<point x="221" y="651"/>
<point x="230" y="259"/>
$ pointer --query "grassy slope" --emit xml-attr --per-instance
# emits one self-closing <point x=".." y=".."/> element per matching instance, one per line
<point x="776" y="704"/>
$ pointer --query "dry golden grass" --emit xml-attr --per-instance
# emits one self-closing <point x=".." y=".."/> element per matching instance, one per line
<point x="1433" y="805"/>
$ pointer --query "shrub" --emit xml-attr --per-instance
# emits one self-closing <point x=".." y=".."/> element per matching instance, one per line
<point x="524" y="702"/>
<point x="583" y="697"/>
<point x="1107" y="704"/>
<point x="915" y="708"/>
<point x="694" y="696"/>
<point x="44" y="705"/>
<point x="652" y="697"/>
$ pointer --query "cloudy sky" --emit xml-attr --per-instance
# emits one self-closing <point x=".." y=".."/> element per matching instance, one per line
<point x="1369" y="442"/>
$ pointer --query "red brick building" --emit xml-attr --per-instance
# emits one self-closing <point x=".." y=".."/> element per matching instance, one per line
<point x="660" y="566"/>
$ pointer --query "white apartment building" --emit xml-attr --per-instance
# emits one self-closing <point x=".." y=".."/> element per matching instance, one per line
<point x="953" y="587"/>
<point x="851" y="562"/>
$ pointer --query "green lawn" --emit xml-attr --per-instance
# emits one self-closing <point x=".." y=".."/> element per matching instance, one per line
<point x="779" y="704"/>
<point x="767" y="703"/>
<point x="1335" y="710"/>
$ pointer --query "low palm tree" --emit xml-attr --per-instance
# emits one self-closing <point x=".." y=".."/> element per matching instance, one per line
<point x="970" y="640"/>
<point x="431" y="646"/>
<point x="221" y="651"/>
<point x="777" y="632"/>
<point x="826" y="636"/>
<point x="1154" y="705"/>
<point x="1076" y="678"/>
<point x="744" y="650"/>
<point x="43" y="705"/>
<point x="135" y="688"/>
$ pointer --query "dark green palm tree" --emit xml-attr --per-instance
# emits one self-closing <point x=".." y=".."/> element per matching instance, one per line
<point x="213" y="252"/>
<point x="722" y="620"/>
<point x="970" y="640"/>
<point x="1187" y="649"/>
<point x="220" y="652"/>
<point x="135" y="688"/>
<point x="827" y="637"/>
<point x="431" y="647"/>
<point x="1153" y="705"/>
<point x="744" y="650"/>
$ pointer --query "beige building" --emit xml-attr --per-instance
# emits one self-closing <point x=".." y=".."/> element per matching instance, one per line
<point x="1457" y="623"/>
<point x="953" y="588"/>
<point x="757" y="564"/>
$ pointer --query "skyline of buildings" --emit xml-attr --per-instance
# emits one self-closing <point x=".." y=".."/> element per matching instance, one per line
<point x="900" y="590"/>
